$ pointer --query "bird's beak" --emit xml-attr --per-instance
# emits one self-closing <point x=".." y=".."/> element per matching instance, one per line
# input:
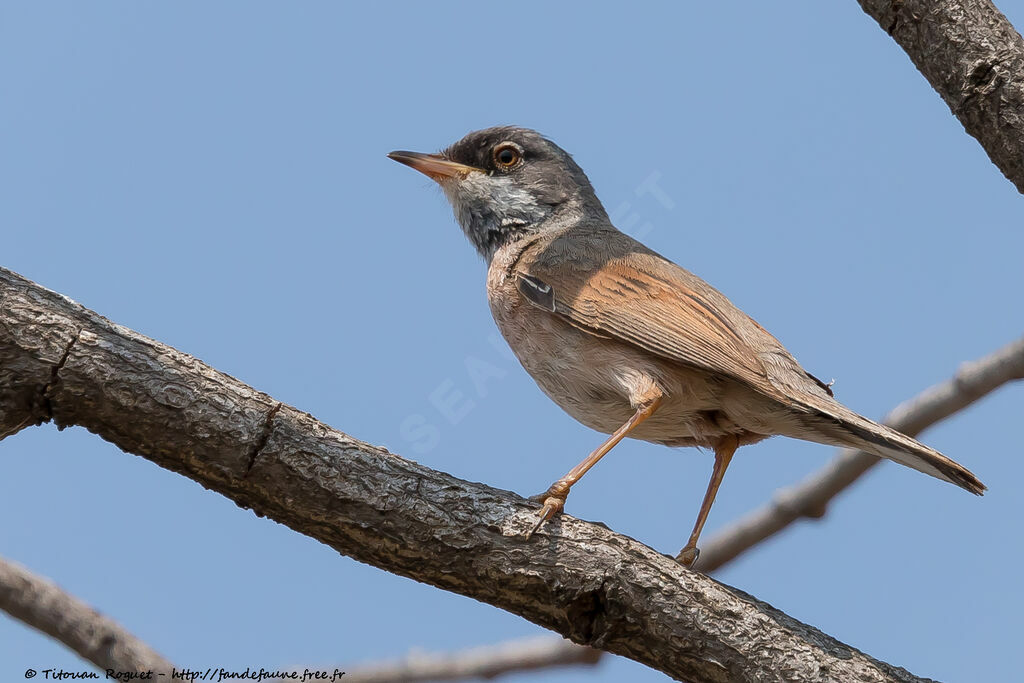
<point x="433" y="165"/>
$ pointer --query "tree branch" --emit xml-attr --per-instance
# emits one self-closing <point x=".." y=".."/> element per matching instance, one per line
<point x="811" y="497"/>
<point x="974" y="58"/>
<point x="46" y="607"/>
<point x="59" y="360"/>
<point x="491" y="661"/>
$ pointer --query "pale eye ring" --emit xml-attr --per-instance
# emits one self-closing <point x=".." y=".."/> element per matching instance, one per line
<point x="507" y="154"/>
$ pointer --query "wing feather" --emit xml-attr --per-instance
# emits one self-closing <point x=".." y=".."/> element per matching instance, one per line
<point x="618" y="288"/>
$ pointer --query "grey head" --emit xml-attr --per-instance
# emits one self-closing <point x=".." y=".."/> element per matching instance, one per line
<point x="505" y="183"/>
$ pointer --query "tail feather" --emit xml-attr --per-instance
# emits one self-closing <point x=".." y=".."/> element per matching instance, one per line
<point x="850" y="429"/>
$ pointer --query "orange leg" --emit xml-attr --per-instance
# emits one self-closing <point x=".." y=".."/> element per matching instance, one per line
<point x="723" y="455"/>
<point x="554" y="497"/>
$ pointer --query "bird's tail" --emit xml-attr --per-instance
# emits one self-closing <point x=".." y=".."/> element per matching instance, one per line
<point x="840" y="426"/>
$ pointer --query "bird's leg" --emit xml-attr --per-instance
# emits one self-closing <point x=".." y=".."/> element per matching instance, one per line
<point x="724" y="451"/>
<point x="554" y="497"/>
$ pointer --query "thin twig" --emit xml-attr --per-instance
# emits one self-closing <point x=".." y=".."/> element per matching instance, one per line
<point x="45" y="606"/>
<point x="491" y="661"/>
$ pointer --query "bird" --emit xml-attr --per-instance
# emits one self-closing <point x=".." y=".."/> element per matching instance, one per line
<point x="623" y="339"/>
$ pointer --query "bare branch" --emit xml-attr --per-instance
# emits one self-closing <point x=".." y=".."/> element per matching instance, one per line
<point x="577" y="578"/>
<point x="974" y="58"/>
<point x="810" y="497"/>
<point x="44" y="606"/>
<point x="491" y="661"/>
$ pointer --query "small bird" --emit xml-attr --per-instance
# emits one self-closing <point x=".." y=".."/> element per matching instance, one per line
<point x="624" y="340"/>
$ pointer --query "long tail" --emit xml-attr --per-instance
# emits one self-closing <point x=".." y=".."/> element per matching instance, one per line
<point x="840" y="426"/>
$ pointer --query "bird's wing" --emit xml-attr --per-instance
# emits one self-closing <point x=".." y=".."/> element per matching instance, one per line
<point x="606" y="283"/>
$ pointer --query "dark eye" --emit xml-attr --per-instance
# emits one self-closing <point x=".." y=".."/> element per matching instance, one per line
<point x="507" y="155"/>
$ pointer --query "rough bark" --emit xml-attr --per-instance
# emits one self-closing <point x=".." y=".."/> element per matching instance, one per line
<point x="974" y="58"/>
<point x="45" y="606"/>
<point x="62" y="362"/>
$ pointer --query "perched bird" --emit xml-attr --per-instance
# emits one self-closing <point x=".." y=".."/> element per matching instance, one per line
<point x="623" y="339"/>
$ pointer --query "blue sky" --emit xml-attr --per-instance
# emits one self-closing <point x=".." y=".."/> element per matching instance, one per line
<point x="214" y="176"/>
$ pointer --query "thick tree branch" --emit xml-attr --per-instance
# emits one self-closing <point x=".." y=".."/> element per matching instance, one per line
<point x="61" y="361"/>
<point x="46" y="607"/>
<point x="488" y="662"/>
<point x="974" y="58"/>
<point x="809" y="498"/>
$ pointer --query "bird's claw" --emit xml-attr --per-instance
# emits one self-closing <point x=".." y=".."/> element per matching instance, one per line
<point x="552" y="506"/>
<point x="688" y="555"/>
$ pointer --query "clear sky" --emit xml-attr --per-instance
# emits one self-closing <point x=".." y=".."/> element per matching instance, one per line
<point x="214" y="176"/>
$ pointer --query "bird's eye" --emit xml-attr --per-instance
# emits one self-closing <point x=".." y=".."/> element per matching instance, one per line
<point x="507" y="155"/>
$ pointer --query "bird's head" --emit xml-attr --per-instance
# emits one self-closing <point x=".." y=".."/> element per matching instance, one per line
<point x="505" y="183"/>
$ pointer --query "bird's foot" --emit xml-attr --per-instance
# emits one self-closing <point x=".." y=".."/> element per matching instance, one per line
<point x="688" y="555"/>
<point x="554" y="502"/>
